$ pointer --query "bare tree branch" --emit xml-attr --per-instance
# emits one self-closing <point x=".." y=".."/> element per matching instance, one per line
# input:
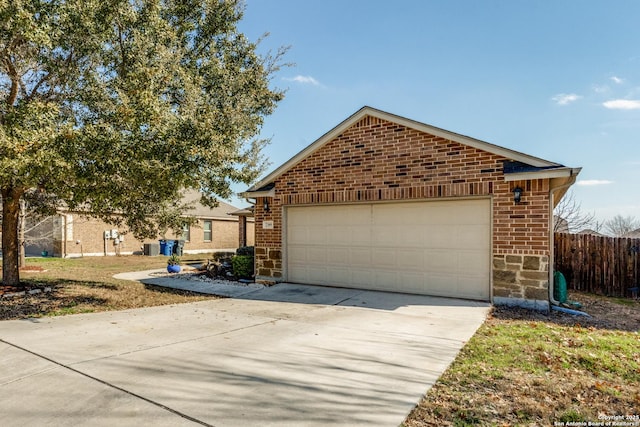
<point x="569" y="217"/>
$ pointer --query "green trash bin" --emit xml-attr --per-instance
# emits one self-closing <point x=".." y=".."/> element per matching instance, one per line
<point x="559" y="287"/>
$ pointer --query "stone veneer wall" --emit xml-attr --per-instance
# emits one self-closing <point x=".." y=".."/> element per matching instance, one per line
<point x="269" y="269"/>
<point x="521" y="280"/>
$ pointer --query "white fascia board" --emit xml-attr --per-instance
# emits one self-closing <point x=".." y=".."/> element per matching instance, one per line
<point x="543" y="174"/>
<point x="253" y="194"/>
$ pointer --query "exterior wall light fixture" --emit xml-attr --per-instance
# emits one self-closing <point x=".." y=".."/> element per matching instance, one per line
<point x="517" y="195"/>
<point x="265" y="206"/>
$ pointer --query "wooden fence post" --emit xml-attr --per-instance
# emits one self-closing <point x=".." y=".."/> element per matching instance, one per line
<point x="598" y="264"/>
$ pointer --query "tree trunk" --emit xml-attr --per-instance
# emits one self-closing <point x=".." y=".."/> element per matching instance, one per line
<point x="10" y="253"/>
<point x="22" y="257"/>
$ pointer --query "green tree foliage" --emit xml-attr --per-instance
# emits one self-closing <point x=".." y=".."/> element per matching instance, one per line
<point x="116" y="106"/>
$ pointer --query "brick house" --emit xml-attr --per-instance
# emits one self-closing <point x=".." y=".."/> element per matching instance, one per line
<point x="71" y="234"/>
<point x="386" y="203"/>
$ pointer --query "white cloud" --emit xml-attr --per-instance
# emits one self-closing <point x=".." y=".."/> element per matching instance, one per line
<point x="617" y="80"/>
<point x="304" y="80"/>
<point x="565" y="98"/>
<point x="622" y="104"/>
<point x="592" y="182"/>
<point x="600" y="88"/>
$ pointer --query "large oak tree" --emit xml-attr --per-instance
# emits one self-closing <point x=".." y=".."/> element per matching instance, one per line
<point x="114" y="107"/>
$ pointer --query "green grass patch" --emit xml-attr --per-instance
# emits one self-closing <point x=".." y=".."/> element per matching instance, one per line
<point x="533" y="372"/>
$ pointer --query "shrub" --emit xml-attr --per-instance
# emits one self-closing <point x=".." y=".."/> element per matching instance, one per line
<point x="245" y="250"/>
<point x="173" y="260"/>
<point x="222" y="256"/>
<point x="242" y="266"/>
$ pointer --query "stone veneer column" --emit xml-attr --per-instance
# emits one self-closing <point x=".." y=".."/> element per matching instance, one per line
<point x="521" y="280"/>
<point x="268" y="265"/>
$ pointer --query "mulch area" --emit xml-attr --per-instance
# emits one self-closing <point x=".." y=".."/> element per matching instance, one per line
<point x="605" y="313"/>
<point x="27" y="289"/>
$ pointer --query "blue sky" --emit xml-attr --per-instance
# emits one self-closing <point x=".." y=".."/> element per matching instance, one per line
<point x="555" y="79"/>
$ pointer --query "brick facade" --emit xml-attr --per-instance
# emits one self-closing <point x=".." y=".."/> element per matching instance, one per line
<point x="376" y="160"/>
<point x="84" y="236"/>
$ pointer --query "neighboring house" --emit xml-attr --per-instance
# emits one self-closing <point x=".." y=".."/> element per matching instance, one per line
<point x="70" y="234"/>
<point x="632" y="234"/>
<point x="386" y="203"/>
<point x="590" y="231"/>
<point x="560" y="225"/>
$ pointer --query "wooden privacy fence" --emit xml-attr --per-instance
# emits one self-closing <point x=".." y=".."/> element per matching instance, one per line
<point x="598" y="264"/>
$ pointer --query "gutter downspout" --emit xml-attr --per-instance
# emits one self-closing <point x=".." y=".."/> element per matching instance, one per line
<point x="572" y="180"/>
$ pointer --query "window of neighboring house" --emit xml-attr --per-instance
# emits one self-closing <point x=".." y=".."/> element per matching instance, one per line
<point x="207" y="231"/>
<point x="186" y="232"/>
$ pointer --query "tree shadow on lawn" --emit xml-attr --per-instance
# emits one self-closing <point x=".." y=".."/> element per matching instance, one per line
<point x="49" y="303"/>
<point x="41" y="283"/>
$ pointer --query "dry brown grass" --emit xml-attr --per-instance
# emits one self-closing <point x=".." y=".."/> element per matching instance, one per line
<point x="529" y="369"/>
<point x="86" y="285"/>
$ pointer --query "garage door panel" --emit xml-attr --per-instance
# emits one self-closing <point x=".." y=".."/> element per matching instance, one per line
<point x="338" y="256"/>
<point x="384" y="278"/>
<point x="361" y="277"/>
<point x="384" y="257"/>
<point x="472" y="236"/>
<point x="434" y="248"/>
<point x="410" y="258"/>
<point x="297" y="234"/>
<point x="317" y="274"/>
<point x="439" y="236"/>
<point x="440" y="284"/>
<point x="361" y="234"/>
<point x="316" y="255"/>
<point x="472" y="261"/>
<point x="440" y="261"/>
<point x="317" y="235"/>
<point x="469" y="287"/>
<point x="339" y="235"/>
<point x="411" y="236"/>
<point x="384" y="215"/>
<point x="411" y="282"/>
<point x="360" y="256"/>
<point x="385" y="235"/>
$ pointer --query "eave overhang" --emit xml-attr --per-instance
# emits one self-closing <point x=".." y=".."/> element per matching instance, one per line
<point x="560" y="172"/>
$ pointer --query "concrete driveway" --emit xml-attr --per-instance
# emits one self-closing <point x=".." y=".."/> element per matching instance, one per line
<point x="289" y="355"/>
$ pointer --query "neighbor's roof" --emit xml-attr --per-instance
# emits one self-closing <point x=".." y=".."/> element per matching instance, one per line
<point x="522" y="167"/>
<point x="632" y="234"/>
<point x="201" y="211"/>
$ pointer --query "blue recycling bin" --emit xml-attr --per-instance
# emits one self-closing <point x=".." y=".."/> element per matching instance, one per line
<point x="166" y="247"/>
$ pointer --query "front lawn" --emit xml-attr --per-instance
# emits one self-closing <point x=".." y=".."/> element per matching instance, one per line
<point x="85" y="285"/>
<point x="527" y="369"/>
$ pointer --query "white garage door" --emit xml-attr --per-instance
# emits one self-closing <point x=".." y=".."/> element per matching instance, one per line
<point x="431" y="248"/>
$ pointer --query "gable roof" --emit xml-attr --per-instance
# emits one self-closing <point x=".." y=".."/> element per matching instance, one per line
<point x="632" y="234"/>
<point x="522" y="167"/>
<point x="221" y="211"/>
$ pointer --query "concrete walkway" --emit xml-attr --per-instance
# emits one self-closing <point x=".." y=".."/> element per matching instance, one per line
<point x="221" y="288"/>
<point x="287" y="355"/>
